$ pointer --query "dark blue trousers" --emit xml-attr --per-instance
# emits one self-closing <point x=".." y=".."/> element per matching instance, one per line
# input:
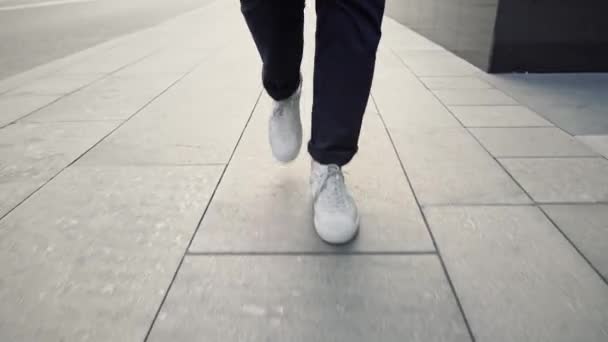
<point x="347" y="37"/>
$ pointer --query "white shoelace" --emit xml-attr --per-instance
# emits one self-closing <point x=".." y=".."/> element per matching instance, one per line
<point x="338" y="192"/>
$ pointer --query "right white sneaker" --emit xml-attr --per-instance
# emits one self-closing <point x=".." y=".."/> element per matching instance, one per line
<point x="285" y="128"/>
<point x="336" y="217"/>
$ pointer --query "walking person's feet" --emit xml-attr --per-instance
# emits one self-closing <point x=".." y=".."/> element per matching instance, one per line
<point x="336" y="218"/>
<point x="285" y="128"/>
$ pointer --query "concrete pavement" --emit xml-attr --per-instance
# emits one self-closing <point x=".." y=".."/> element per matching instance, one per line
<point x="34" y="32"/>
<point x="139" y="201"/>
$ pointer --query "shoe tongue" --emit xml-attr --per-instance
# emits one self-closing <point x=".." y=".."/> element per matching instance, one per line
<point x="333" y="168"/>
<point x="326" y="168"/>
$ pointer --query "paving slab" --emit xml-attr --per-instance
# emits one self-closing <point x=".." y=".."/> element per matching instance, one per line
<point x="558" y="89"/>
<point x="182" y="51"/>
<point x="168" y="60"/>
<point x="197" y="121"/>
<point x="31" y="154"/>
<point x="444" y="162"/>
<point x="113" y="98"/>
<point x="113" y="59"/>
<point x="44" y="70"/>
<point x="530" y="142"/>
<point x="561" y="179"/>
<point x="16" y="106"/>
<point x="587" y="227"/>
<point x="453" y="97"/>
<point x="447" y="166"/>
<point x="598" y="143"/>
<point x="576" y="119"/>
<point x="435" y="63"/>
<point x="57" y="84"/>
<point x="464" y="82"/>
<point x="403" y="100"/>
<point x="574" y="102"/>
<point x="400" y="37"/>
<point x="386" y="58"/>
<point x="498" y="116"/>
<point x="90" y="256"/>
<point x="517" y="277"/>
<point x="422" y="111"/>
<point x="310" y="298"/>
<point x="277" y="216"/>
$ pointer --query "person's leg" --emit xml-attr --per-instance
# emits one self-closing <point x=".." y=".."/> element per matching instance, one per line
<point x="277" y="27"/>
<point x="348" y="33"/>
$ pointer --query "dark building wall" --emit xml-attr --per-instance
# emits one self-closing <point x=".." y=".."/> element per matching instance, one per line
<point x="551" y="36"/>
<point x="514" y="35"/>
<point x="465" y="27"/>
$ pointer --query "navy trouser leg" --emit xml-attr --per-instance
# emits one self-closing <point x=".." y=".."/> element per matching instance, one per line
<point x="277" y="27"/>
<point x="348" y="33"/>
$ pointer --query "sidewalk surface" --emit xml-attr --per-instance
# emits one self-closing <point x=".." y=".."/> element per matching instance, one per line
<point x="139" y="200"/>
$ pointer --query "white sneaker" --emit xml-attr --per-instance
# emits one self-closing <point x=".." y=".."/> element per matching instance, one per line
<point x="285" y="128"/>
<point x="336" y="218"/>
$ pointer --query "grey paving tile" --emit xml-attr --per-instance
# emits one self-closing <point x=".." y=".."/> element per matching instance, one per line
<point x="436" y="63"/>
<point x="198" y="121"/>
<point x="474" y="97"/>
<point x="421" y="111"/>
<point x="30" y="154"/>
<point x="274" y="213"/>
<point x="587" y="227"/>
<point x="445" y="163"/>
<point x="466" y="82"/>
<point x="587" y="119"/>
<point x="113" y="59"/>
<point x="561" y="179"/>
<point x="13" y="107"/>
<point x="388" y="59"/>
<point x="556" y="89"/>
<point x="498" y="116"/>
<point x="90" y="256"/>
<point x="403" y="100"/>
<point x="113" y="98"/>
<point x="574" y="102"/>
<point x="598" y="143"/>
<point x="517" y="278"/>
<point x="57" y="84"/>
<point x="447" y="166"/>
<point x="313" y="298"/>
<point x="400" y="37"/>
<point x="170" y="60"/>
<point x="530" y="142"/>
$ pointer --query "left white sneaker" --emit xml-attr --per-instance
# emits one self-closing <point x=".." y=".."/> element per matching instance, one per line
<point x="336" y="217"/>
<point x="285" y="128"/>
